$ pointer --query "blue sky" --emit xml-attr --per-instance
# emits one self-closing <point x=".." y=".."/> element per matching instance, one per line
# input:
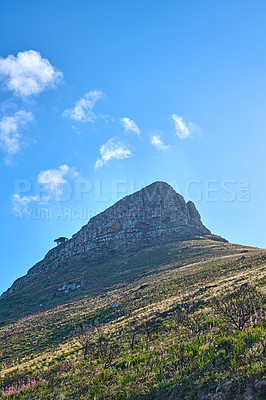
<point x="99" y="98"/>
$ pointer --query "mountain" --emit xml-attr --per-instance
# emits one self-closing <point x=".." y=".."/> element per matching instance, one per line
<point x="135" y="306"/>
<point x="154" y="215"/>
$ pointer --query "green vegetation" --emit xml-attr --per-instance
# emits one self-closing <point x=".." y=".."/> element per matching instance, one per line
<point x="170" y="322"/>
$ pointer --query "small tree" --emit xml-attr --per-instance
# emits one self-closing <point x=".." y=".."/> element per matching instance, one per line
<point x="95" y="343"/>
<point x="105" y="348"/>
<point x="188" y="316"/>
<point x="239" y="307"/>
<point x="151" y="326"/>
<point x="83" y="335"/>
<point x="132" y="331"/>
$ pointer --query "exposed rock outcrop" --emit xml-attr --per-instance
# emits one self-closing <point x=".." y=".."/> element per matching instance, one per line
<point x="69" y="287"/>
<point x="155" y="214"/>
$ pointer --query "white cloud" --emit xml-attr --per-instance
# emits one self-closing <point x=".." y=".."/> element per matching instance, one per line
<point x="28" y="73"/>
<point x="20" y="204"/>
<point x="10" y="138"/>
<point x="52" y="183"/>
<point x="83" y="109"/>
<point x="130" y="125"/>
<point x="182" y="130"/>
<point x="54" y="180"/>
<point x="158" y="143"/>
<point x="112" y="151"/>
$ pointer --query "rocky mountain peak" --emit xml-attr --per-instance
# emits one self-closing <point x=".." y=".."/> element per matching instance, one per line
<point x="153" y="215"/>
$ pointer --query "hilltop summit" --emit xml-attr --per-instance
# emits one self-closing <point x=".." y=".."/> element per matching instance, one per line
<point x="154" y="215"/>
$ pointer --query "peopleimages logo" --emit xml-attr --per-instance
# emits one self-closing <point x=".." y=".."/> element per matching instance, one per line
<point x="73" y="200"/>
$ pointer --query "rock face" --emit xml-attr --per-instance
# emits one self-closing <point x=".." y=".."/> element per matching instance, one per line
<point x="155" y="214"/>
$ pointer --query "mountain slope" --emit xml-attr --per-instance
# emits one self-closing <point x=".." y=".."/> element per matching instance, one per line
<point x="127" y="309"/>
<point x="169" y="360"/>
<point x="85" y="278"/>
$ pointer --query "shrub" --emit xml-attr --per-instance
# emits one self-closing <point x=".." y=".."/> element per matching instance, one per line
<point x="83" y="335"/>
<point x="239" y="307"/>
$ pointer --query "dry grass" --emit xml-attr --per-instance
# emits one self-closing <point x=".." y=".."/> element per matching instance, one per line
<point x="43" y="346"/>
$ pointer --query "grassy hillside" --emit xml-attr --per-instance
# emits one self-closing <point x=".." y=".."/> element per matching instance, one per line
<point x="147" y="325"/>
<point x="97" y="277"/>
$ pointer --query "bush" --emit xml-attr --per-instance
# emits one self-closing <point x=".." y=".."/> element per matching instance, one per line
<point x="238" y="308"/>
